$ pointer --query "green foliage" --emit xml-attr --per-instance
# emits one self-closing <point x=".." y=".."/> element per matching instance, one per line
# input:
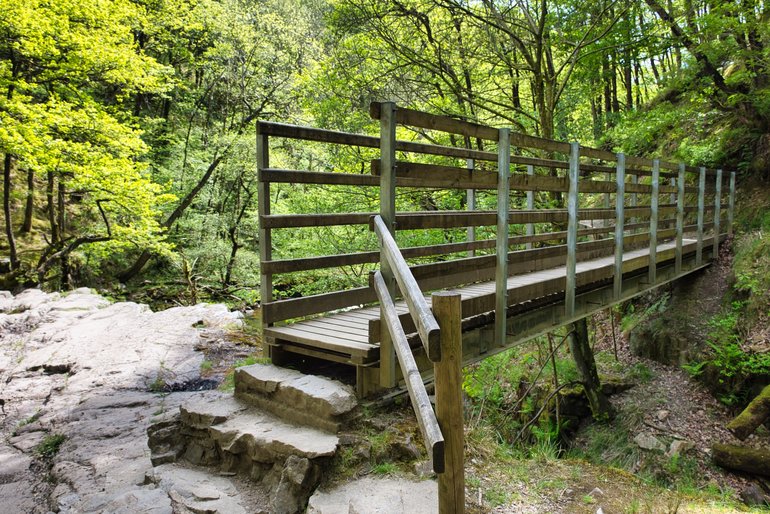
<point x="385" y="468"/>
<point x="50" y="445"/>
<point x="69" y="71"/>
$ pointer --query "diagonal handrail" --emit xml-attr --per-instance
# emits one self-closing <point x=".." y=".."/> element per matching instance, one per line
<point x="427" y="327"/>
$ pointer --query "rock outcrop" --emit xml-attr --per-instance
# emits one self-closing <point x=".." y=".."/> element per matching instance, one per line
<point x="81" y="380"/>
<point x="278" y="429"/>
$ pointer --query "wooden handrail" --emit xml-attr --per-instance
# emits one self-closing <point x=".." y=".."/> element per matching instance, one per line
<point x="426" y="418"/>
<point x="426" y="323"/>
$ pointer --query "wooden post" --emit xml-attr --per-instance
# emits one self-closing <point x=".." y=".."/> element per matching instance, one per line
<point x="501" y="271"/>
<point x="530" y="206"/>
<point x="449" y="406"/>
<point x="620" y="216"/>
<point x="471" y="206"/>
<point x="672" y="196"/>
<point x="572" y="229"/>
<point x="701" y="209"/>
<point x="634" y="199"/>
<point x="717" y="215"/>
<point x="388" y="214"/>
<point x="607" y="196"/>
<point x="653" y="267"/>
<point x="679" y="219"/>
<point x="731" y="209"/>
<point x="265" y="236"/>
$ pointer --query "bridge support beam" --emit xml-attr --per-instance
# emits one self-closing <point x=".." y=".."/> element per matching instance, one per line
<point x="679" y="218"/>
<point x="572" y="228"/>
<point x="620" y="220"/>
<point x="701" y="213"/>
<point x="717" y="213"/>
<point x="731" y="209"/>
<point x="388" y="214"/>
<point x="653" y="267"/>
<point x="447" y="308"/>
<point x="503" y="203"/>
<point x="530" y="207"/>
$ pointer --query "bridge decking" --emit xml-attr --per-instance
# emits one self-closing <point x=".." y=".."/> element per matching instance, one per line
<point x="352" y="336"/>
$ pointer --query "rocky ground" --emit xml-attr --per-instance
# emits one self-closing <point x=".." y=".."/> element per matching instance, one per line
<point x="82" y="380"/>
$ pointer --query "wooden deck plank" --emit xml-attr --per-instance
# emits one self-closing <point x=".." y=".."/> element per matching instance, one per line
<point x="337" y="344"/>
<point x="351" y="331"/>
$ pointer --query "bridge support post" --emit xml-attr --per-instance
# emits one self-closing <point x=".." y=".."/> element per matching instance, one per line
<point x="503" y="202"/>
<point x="679" y="219"/>
<point x="731" y="208"/>
<point x="620" y="220"/>
<point x="701" y="212"/>
<point x="470" y="197"/>
<point x="265" y="236"/>
<point x="530" y="206"/>
<point x="572" y="229"/>
<point x="717" y="214"/>
<point x="654" y="197"/>
<point x="447" y="308"/>
<point x="388" y="214"/>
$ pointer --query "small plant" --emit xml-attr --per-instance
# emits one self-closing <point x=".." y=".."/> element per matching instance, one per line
<point x="384" y="468"/>
<point x="50" y="445"/>
<point x="228" y="384"/>
<point x="496" y="496"/>
<point x="206" y="366"/>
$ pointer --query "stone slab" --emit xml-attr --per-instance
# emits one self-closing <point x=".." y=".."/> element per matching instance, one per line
<point x="265" y="438"/>
<point x="377" y="496"/>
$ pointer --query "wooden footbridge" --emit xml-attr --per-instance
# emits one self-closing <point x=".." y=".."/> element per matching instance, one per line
<point x="616" y="226"/>
<point x="630" y="224"/>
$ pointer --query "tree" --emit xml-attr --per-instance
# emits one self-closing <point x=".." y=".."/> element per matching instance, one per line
<point x="68" y="69"/>
<point x="234" y="62"/>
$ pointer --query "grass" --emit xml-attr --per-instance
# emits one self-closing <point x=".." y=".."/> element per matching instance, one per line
<point x="385" y="468"/>
<point x="50" y="445"/>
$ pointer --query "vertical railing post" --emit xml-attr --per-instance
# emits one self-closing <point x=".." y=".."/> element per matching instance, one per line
<point x="572" y="229"/>
<point x="634" y="200"/>
<point x="701" y="209"/>
<point x="470" y="195"/>
<point x="388" y="214"/>
<point x="447" y="307"/>
<point x="620" y="220"/>
<point x="731" y="208"/>
<point x="717" y="214"/>
<point x="672" y="196"/>
<point x="530" y="207"/>
<point x="654" y="197"/>
<point x="503" y="201"/>
<point x="265" y="235"/>
<point x="679" y="219"/>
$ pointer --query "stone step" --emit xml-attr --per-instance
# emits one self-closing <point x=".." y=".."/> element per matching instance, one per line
<point x="306" y="399"/>
<point x="215" y="429"/>
<point x="222" y="430"/>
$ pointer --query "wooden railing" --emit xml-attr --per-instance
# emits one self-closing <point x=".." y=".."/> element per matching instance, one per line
<point x="662" y="202"/>
<point x="427" y="328"/>
<point x="444" y="349"/>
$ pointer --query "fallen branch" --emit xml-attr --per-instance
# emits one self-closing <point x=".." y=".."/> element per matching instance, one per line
<point x="739" y="458"/>
<point x="756" y="413"/>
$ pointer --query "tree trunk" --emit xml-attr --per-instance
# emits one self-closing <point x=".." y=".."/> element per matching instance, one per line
<point x="29" y="206"/>
<point x="749" y="460"/>
<point x="756" y="413"/>
<point x="601" y="409"/>
<point x="7" y="166"/>
<point x="51" y="209"/>
<point x="144" y="258"/>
